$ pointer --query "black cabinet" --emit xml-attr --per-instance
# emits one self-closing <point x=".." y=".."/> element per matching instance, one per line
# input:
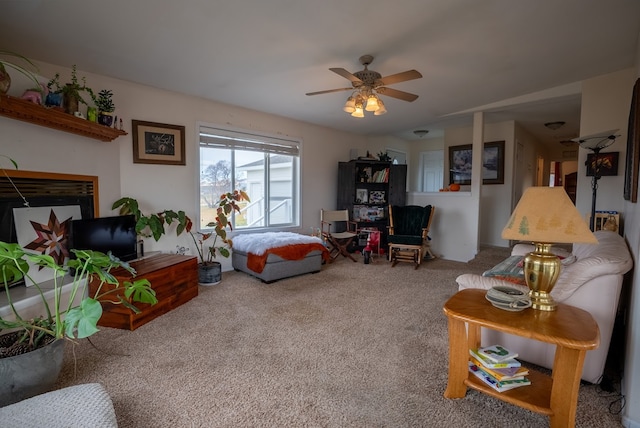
<point x="366" y="188"/>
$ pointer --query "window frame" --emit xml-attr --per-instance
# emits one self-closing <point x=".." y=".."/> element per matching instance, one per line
<point x="272" y="144"/>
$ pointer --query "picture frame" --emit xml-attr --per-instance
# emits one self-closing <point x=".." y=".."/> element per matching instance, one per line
<point x="632" y="162"/>
<point x="377" y="197"/>
<point x="460" y="161"/>
<point x="158" y="143"/>
<point x="608" y="164"/>
<point x="362" y="196"/>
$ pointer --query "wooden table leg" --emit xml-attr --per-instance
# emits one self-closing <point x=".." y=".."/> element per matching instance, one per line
<point x="567" y="369"/>
<point x="458" y="358"/>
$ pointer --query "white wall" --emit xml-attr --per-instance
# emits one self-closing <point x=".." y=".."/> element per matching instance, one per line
<point x="159" y="187"/>
<point x="605" y="106"/>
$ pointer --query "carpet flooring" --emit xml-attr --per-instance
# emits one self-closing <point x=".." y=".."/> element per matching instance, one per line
<point x="352" y="346"/>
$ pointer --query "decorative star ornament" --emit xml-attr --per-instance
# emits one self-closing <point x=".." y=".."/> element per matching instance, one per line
<point x="52" y="238"/>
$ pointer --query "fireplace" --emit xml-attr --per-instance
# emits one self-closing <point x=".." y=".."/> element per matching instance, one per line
<point x="44" y="189"/>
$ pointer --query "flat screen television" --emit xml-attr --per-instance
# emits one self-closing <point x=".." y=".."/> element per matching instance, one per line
<point x="116" y="234"/>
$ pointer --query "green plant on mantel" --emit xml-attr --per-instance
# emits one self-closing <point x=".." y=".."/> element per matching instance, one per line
<point x="72" y="90"/>
<point x="227" y="204"/>
<point x="103" y="101"/>
<point x="152" y="225"/>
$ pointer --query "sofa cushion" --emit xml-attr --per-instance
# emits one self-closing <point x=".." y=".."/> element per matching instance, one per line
<point x="85" y="405"/>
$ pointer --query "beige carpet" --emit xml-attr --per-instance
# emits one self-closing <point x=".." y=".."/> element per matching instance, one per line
<point x="353" y="346"/>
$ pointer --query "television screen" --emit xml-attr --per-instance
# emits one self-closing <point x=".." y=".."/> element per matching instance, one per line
<point x="116" y="234"/>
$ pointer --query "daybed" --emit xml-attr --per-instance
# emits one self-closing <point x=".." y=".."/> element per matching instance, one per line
<point x="592" y="282"/>
<point x="271" y="256"/>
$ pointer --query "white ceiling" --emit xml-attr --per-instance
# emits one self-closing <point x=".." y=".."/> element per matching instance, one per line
<point x="266" y="54"/>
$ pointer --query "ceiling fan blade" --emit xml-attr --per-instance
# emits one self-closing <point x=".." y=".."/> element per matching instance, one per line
<point x="401" y="95"/>
<point x="329" y="91"/>
<point x="344" y="73"/>
<point x="401" y="77"/>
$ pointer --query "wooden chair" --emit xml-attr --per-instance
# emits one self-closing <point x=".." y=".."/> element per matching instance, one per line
<point x="331" y="222"/>
<point x="408" y="236"/>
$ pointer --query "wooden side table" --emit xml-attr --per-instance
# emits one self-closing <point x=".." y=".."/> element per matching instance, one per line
<point x="572" y="330"/>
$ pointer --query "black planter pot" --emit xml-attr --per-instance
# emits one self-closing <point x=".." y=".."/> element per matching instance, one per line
<point x="209" y="273"/>
<point x="105" y="119"/>
<point x="30" y="374"/>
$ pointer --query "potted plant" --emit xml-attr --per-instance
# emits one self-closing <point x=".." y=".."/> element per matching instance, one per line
<point x="152" y="225"/>
<point x="209" y="270"/>
<point x="105" y="107"/>
<point x="21" y="64"/>
<point x="40" y="340"/>
<point x="71" y="92"/>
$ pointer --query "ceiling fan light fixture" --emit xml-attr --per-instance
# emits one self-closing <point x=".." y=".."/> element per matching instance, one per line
<point x="381" y="109"/>
<point x="372" y="103"/>
<point x="350" y="105"/>
<point x="359" y="112"/>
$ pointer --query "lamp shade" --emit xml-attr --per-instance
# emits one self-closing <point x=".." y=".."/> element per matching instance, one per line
<point x="547" y="215"/>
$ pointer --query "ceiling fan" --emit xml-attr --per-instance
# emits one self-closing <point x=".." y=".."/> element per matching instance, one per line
<point x="367" y="85"/>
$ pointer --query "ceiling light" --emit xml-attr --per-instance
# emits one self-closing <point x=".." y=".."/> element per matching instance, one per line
<point x="350" y="105"/>
<point x="372" y="103"/>
<point x="381" y="108"/>
<point x="368" y="99"/>
<point x="421" y="132"/>
<point x="358" y="112"/>
<point x="555" y="125"/>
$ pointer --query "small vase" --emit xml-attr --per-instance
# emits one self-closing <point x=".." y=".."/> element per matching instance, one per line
<point x="53" y="100"/>
<point x="209" y="273"/>
<point x="70" y="104"/>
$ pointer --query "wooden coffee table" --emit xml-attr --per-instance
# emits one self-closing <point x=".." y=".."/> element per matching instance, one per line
<point x="572" y="330"/>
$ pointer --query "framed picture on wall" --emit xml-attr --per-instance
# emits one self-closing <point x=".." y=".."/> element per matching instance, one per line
<point x="632" y="163"/>
<point x="158" y="143"/>
<point x="460" y="161"/>
<point x="607" y="164"/>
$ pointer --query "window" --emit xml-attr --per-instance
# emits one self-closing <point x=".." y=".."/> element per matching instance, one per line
<point x="264" y="166"/>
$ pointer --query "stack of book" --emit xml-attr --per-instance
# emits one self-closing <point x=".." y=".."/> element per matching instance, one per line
<point x="498" y="367"/>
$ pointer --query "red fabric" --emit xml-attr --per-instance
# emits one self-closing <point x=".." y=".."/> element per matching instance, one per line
<point x="288" y="252"/>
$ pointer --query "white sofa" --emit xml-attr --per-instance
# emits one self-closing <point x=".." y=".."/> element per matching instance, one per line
<point x="593" y="283"/>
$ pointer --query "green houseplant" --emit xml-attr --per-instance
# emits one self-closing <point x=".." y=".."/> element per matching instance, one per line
<point x="209" y="270"/>
<point x="71" y="92"/>
<point x="152" y="225"/>
<point x="40" y="339"/>
<point x="105" y="106"/>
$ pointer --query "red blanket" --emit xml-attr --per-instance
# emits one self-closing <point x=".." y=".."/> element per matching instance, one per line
<point x="288" y="252"/>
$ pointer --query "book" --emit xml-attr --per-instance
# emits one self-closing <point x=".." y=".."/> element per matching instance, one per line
<point x="497" y="353"/>
<point x="490" y="364"/>
<point x="510" y="373"/>
<point x="499" y="386"/>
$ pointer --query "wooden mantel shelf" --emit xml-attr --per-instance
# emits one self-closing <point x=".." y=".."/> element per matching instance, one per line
<point x="27" y="111"/>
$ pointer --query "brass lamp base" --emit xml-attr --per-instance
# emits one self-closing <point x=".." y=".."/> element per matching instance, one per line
<point x="541" y="270"/>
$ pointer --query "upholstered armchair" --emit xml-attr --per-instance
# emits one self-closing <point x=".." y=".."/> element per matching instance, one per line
<point x="408" y="236"/>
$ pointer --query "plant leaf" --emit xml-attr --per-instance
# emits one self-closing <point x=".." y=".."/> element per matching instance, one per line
<point x="84" y="318"/>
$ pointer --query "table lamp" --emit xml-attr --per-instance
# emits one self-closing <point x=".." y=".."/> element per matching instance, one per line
<point x="545" y="216"/>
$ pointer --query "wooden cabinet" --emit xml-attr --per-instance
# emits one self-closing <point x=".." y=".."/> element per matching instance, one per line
<point x="27" y="111"/>
<point x="366" y="188"/>
<point x="173" y="277"/>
